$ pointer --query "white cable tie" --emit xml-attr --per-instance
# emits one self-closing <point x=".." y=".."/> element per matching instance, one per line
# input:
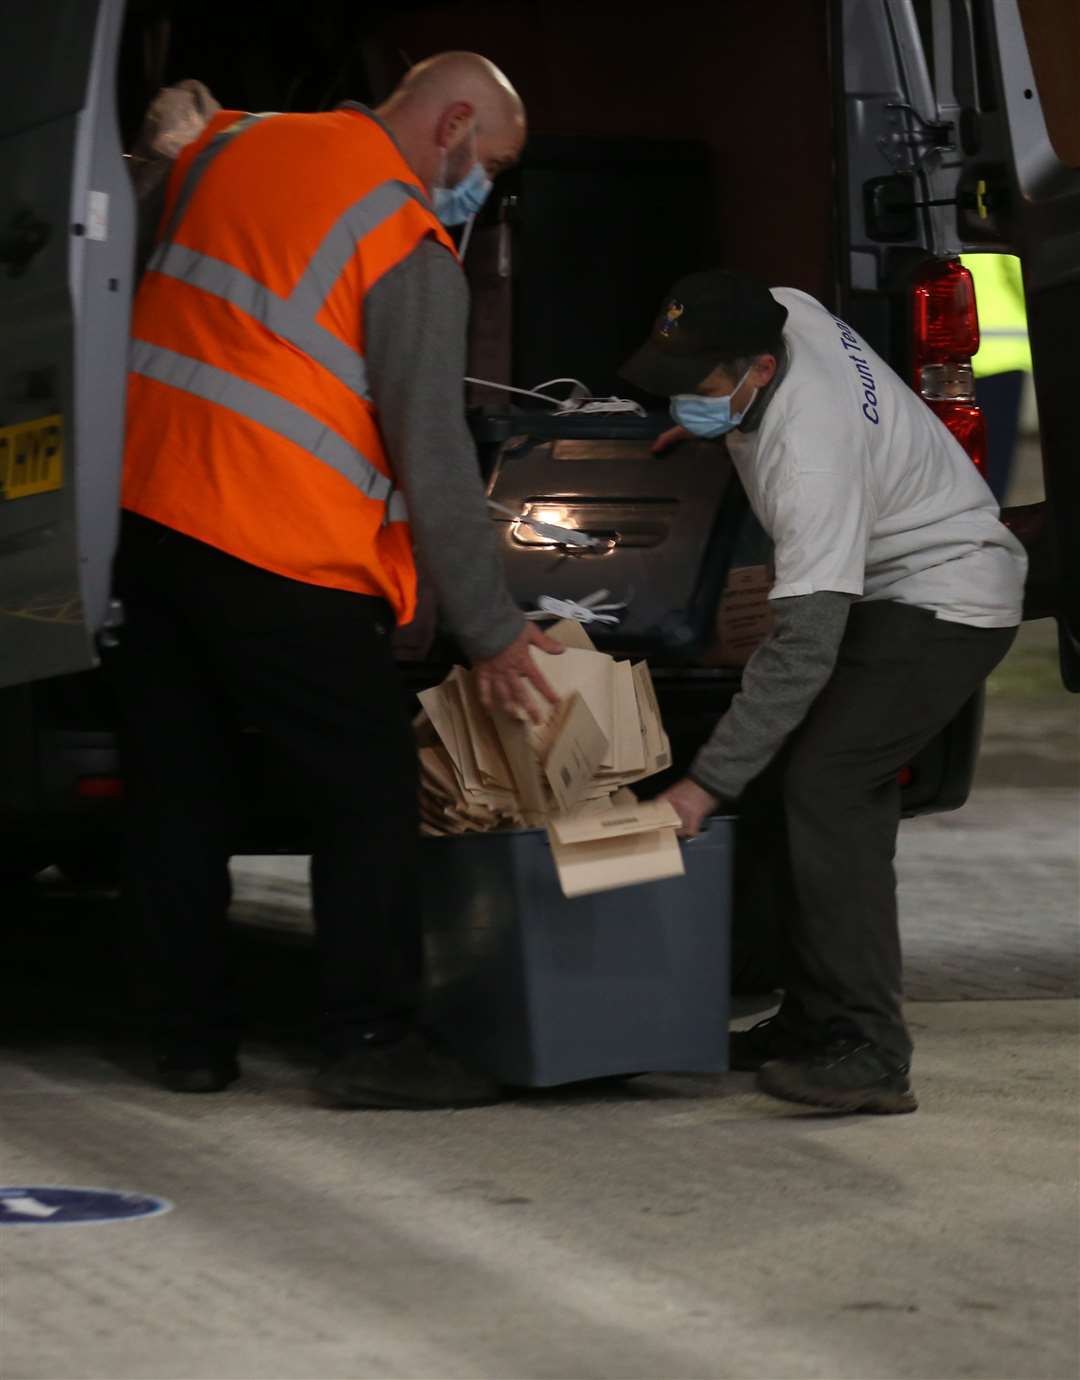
<point x="585" y="390"/>
<point x="584" y="611"/>
<point x="524" y="392"/>
<point x="580" y="400"/>
<point x="602" y="405"/>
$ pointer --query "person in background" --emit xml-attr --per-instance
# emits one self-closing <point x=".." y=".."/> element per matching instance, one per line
<point x="1003" y="360"/>
<point x="897" y="591"/>
<point x="295" y="424"/>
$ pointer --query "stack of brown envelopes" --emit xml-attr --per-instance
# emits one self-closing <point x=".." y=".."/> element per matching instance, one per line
<point x="484" y="770"/>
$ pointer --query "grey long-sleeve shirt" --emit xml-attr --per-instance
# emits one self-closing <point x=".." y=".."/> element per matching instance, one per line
<point x="415" y="320"/>
<point x="780" y="683"/>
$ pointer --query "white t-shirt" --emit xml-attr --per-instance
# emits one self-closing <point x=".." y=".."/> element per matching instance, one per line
<point x="864" y="491"/>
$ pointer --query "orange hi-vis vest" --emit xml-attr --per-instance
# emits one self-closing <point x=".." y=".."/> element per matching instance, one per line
<point x="250" y="423"/>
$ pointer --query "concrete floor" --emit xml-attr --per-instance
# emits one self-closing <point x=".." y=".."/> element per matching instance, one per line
<point x="671" y="1229"/>
<point x="681" y="1228"/>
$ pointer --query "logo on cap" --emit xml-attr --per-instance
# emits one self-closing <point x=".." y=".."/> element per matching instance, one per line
<point x="670" y="319"/>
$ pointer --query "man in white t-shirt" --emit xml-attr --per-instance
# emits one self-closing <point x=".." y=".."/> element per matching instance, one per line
<point x="897" y="592"/>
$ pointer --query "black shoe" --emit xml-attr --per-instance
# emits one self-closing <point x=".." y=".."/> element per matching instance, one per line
<point x="196" y="1071"/>
<point x="769" y="1039"/>
<point x="406" y="1073"/>
<point x="846" y="1076"/>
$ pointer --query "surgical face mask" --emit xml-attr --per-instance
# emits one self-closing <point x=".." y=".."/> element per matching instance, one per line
<point x="455" y="205"/>
<point x="710" y="417"/>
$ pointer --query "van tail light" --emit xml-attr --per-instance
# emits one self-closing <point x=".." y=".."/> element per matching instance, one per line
<point x="99" y="788"/>
<point x="945" y="336"/>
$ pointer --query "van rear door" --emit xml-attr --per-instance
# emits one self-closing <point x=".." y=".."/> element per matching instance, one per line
<point x="962" y="133"/>
<point x="67" y="230"/>
<point x="1015" y="68"/>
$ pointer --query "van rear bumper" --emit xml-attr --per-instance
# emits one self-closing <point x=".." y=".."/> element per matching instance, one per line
<point x="63" y="781"/>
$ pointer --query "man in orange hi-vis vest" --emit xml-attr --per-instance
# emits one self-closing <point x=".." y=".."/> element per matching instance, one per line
<point x="295" y="427"/>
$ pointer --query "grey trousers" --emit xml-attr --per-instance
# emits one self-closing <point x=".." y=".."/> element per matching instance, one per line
<point x="901" y="675"/>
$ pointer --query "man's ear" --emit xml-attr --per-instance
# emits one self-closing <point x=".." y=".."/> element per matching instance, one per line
<point x="453" y="125"/>
<point x="763" y="371"/>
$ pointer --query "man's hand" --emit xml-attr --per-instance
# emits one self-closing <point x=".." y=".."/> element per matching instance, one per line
<point x="502" y="680"/>
<point x="692" y="805"/>
<point x="670" y="438"/>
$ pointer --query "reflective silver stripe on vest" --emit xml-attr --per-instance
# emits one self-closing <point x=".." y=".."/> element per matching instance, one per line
<point x="277" y="314"/>
<point x="259" y="405"/>
<point x="339" y="244"/>
<point x="198" y="168"/>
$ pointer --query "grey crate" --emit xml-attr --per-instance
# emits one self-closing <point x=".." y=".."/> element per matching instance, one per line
<point x="539" y="990"/>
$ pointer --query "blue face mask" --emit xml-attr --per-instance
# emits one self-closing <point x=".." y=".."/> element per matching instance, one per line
<point x="455" y="205"/>
<point x="710" y="417"/>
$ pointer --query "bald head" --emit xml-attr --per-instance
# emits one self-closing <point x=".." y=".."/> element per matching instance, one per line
<point x="448" y="78"/>
<point x="453" y="109"/>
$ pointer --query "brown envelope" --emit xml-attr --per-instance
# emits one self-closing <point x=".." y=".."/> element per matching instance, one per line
<point x="599" y="850"/>
<point x="571" y="634"/>
<point x="436" y="705"/>
<point x="589" y="673"/>
<point x="575" y="753"/>
<point x="466" y="762"/>
<point x="629" y="747"/>
<point x="436" y="768"/>
<point x="523" y="762"/>
<point x="490" y="758"/>
<point x="657" y="747"/>
<point x="628" y="817"/>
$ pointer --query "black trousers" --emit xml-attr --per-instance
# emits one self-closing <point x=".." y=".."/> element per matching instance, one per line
<point x="901" y="675"/>
<point x="212" y="645"/>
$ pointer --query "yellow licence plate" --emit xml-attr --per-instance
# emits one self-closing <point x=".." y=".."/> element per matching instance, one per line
<point x="31" y="457"/>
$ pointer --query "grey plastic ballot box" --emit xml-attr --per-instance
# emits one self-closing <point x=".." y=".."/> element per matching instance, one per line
<point x="540" y="990"/>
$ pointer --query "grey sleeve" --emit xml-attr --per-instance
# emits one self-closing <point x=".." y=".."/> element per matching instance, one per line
<point x="780" y="683"/>
<point x="415" y="320"/>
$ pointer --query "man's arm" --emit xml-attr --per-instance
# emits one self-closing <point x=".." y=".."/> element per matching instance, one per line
<point x="415" y="322"/>
<point x="780" y="683"/>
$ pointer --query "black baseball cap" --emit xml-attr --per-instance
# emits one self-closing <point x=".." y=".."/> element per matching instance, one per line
<point x="705" y="319"/>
